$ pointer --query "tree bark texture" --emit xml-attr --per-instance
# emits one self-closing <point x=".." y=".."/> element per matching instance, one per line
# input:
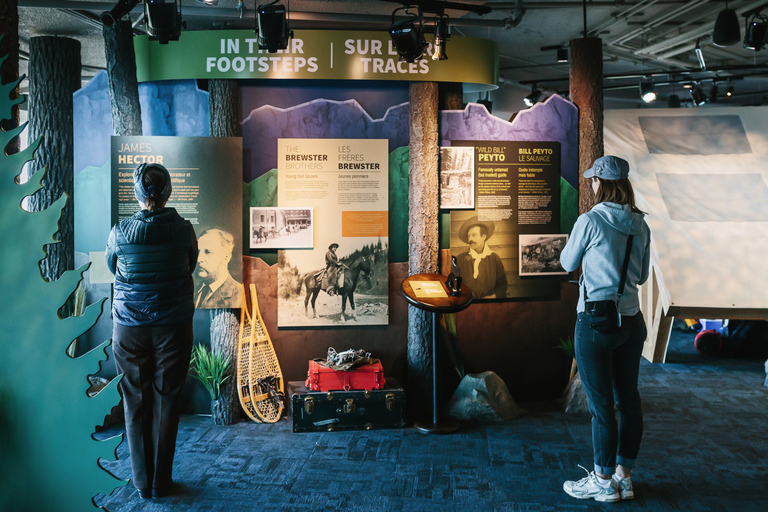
<point x="423" y="242"/>
<point x="586" y="77"/>
<point x="9" y="71"/>
<point x="123" y="85"/>
<point x="223" y="102"/>
<point x="54" y="76"/>
<point x="225" y="329"/>
<point x="224" y="106"/>
<point x="451" y="96"/>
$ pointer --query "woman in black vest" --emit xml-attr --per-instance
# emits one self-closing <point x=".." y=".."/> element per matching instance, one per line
<point x="152" y="255"/>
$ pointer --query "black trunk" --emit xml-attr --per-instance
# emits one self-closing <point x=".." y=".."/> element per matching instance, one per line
<point x="123" y="86"/>
<point x="54" y="76"/>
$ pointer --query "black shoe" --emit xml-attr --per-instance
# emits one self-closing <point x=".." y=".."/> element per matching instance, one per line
<point x="162" y="492"/>
<point x="145" y="493"/>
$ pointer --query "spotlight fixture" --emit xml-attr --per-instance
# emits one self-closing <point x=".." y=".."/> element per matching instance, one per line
<point x="271" y="28"/>
<point x="647" y="92"/>
<point x="698" y="97"/>
<point x="700" y="56"/>
<point x="727" y="30"/>
<point x="673" y="101"/>
<point x="562" y="55"/>
<point x="121" y="8"/>
<point x="729" y="90"/>
<point x="408" y="36"/>
<point x="442" y="34"/>
<point x="688" y="85"/>
<point x="755" y="32"/>
<point x="532" y="98"/>
<point x="713" y="94"/>
<point x="163" y="19"/>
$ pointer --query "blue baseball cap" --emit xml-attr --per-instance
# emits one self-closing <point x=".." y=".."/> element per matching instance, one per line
<point x="608" y="168"/>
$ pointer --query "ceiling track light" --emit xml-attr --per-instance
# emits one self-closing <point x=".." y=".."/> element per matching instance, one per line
<point x="727" y="31"/>
<point x="729" y="90"/>
<point x="442" y="34"/>
<point x="698" y="96"/>
<point x="271" y="27"/>
<point x="408" y="35"/>
<point x="562" y="55"/>
<point x="755" y="32"/>
<point x="647" y="92"/>
<point x="700" y="56"/>
<point x="532" y="98"/>
<point x="163" y="19"/>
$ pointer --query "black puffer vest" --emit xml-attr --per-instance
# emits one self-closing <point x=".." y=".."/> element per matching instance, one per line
<point x="153" y="255"/>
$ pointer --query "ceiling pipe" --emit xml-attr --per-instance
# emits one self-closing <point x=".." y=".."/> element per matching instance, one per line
<point x="690" y="35"/>
<point x="230" y="12"/>
<point x="622" y="16"/>
<point x="658" y="21"/>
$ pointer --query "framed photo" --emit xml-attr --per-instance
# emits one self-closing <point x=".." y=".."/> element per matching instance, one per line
<point x="457" y="178"/>
<point x="540" y="255"/>
<point x="281" y="228"/>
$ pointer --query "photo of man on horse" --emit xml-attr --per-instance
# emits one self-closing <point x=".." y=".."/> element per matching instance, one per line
<point x="332" y="276"/>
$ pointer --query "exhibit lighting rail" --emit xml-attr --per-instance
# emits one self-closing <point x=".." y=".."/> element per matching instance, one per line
<point x="223" y="12"/>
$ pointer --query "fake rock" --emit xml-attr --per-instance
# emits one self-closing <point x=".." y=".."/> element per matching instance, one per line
<point x="483" y="397"/>
<point x="575" y="397"/>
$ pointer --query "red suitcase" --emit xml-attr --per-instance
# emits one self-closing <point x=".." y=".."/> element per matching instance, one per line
<point x="322" y="378"/>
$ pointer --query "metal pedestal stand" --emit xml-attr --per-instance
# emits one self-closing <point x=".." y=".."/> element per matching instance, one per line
<point x="437" y="306"/>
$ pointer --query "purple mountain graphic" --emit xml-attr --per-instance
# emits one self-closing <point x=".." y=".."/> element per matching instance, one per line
<point x="316" y="119"/>
<point x="555" y="120"/>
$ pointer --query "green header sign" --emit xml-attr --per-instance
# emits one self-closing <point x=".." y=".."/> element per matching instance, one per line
<point x="314" y="54"/>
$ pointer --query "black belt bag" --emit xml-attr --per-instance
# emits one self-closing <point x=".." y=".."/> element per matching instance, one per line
<point x="604" y="315"/>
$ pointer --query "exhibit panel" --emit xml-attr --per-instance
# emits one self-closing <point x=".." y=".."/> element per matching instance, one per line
<point x="345" y="182"/>
<point x="205" y="174"/>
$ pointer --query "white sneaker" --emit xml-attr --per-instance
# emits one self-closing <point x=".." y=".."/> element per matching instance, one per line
<point x="591" y="488"/>
<point x="624" y="486"/>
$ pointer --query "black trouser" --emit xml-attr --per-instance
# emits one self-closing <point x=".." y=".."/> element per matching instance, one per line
<point x="154" y="361"/>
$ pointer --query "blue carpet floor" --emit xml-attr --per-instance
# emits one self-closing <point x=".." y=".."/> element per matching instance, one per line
<point x="705" y="449"/>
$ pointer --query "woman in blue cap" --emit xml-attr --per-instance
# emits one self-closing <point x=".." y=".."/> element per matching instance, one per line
<point x="152" y="254"/>
<point x="609" y="241"/>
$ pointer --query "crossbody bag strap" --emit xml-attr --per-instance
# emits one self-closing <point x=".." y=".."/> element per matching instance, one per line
<point x="625" y="267"/>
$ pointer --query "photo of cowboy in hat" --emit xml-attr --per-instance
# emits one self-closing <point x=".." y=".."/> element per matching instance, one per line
<point x="480" y="267"/>
<point x="332" y="267"/>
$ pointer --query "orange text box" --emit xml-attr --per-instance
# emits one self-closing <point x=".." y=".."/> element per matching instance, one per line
<point x="364" y="224"/>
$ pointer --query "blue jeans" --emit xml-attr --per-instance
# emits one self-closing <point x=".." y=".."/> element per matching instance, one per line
<point x="609" y="365"/>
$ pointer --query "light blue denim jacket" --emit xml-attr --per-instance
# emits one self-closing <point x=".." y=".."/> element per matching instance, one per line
<point x="598" y="242"/>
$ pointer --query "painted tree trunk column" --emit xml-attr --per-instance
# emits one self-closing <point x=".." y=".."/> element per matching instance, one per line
<point x="586" y="77"/>
<point x="54" y="76"/>
<point x="422" y="234"/>
<point x="225" y="326"/>
<point x="9" y="71"/>
<point x="123" y="85"/>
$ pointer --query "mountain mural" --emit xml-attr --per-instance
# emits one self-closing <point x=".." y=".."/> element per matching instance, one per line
<point x="320" y="118"/>
<point x="555" y="120"/>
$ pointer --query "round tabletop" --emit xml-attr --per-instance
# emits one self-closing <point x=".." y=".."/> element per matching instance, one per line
<point x="429" y="297"/>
